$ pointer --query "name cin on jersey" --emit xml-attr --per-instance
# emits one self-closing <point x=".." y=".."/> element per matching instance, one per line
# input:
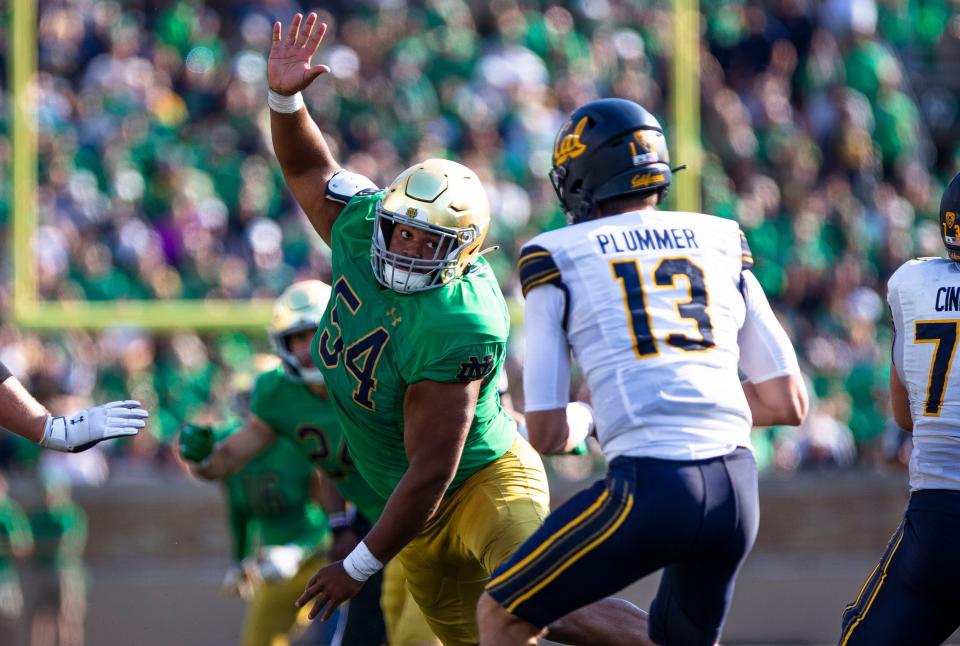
<point x="645" y="240"/>
<point x="948" y="299"/>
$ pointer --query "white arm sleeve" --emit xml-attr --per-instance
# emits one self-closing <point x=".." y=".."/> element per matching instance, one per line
<point x="546" y="367"/>
<point x="765" y="349"/>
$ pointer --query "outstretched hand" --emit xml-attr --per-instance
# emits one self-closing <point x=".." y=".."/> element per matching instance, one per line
<point x="331" y="586"/>
<point x="92" y="425"/>
<point x="288" y="68"/>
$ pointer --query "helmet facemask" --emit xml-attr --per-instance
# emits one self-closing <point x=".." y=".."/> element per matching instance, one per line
<point x="407" y="274"/>
<point x="299" y="309"/>
<point x="291" y="363"/>
<point x="440" y="198"/>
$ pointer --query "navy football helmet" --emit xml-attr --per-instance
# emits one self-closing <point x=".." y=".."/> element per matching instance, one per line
<point x="607" y="148"/>
<point x="950" y="219"/>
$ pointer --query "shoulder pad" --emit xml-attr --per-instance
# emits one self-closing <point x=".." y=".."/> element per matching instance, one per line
<point x="905" y="271"/>
<point x="345" y="185"/>
<point x="537" y="266"/>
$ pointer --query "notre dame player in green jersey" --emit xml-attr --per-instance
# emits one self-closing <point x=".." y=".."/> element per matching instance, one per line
<point x="290" y="403"/>
<point x="411" y="348"/>
<point x="279" y="536"/>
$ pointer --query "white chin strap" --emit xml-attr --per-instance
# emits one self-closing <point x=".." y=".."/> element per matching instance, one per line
<point x="402" y="280"/>
<point x="312" y="376"/>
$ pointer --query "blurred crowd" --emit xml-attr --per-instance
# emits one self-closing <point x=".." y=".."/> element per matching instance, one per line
<point x="828" y="128"/>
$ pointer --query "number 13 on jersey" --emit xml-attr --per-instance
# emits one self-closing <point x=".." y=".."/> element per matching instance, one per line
<point x="665" y="276"/>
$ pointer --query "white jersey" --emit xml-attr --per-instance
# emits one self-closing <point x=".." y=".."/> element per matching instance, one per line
<point x="654" y="306"/>
<point x="924" y="297"/>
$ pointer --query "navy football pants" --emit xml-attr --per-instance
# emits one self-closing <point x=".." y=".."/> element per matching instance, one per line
<point x="911" y="596"/>
<point x="696" y="519"/>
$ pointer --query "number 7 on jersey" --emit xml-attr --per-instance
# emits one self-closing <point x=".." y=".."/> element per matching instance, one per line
<point x="944" y="335"/>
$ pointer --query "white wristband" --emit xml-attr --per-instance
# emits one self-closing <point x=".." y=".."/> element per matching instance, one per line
<point x="579" y="421"/>
<point x="55" y="434"/>
<point x="361" y="564"/>
<point x="284" y="104"/>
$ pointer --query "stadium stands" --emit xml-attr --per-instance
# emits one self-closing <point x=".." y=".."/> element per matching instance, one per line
<point x="828" y="133"/>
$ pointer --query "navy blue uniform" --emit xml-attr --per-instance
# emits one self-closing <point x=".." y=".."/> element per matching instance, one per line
<point x="697" y="519"/>
<point x="911" y="596"/>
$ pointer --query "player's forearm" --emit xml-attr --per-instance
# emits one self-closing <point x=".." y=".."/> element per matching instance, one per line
<point x="900" y="401"/>
<point x="222" y="463"/>
<point x="560" y="430"/>
<point x="329" y="497"/>
<point x="20" y="412"/>
<point x="299" y="145"/>
<point x="778" y="401"/>
<point x="411" y="505"/>
<point x="548" y="431"/>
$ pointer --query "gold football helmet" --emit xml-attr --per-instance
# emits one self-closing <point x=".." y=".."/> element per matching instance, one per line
<point x="300" y="307"/>
<point x="440" y="197"/>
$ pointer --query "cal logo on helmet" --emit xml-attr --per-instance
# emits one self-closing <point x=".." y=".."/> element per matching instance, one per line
<point x="644" y="148"/>
<point x="951" y="230"/>
<point x="644" y="180"/>
<point x="608" y="148"/>
<point x="568" y="145"/>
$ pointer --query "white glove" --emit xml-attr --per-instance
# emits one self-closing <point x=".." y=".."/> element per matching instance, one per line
<point x="92" y="425"/>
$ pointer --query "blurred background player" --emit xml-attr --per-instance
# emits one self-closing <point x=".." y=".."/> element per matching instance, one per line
<point x="911" y="595"/>
<point x="411" y="350"/>
<point x="57" y="600"/>
<point x="25" y="416"/>
<point x="659" y="308"/>
<point x="290" y="403"/>
<point x="280" y="536"/>
<point x="16" y="542"/>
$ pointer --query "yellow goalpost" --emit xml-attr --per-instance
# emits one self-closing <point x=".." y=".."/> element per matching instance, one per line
<point x="31" y="312"/>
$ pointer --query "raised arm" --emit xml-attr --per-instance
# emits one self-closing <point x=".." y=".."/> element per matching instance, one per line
<point x="304" y="157"/>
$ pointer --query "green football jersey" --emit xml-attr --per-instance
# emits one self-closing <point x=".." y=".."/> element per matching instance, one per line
<point x="59" y="535"/>
<point x="269" y="501"/>
<point x="15" y="533"/>
<point x="373" y="342"/>
<point x="295" y="413"/>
